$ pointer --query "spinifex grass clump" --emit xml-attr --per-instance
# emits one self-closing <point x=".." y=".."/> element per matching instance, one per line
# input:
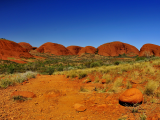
<point x="82" y="75"/>
<point x="151" y="87"/>
<point x="107" y="77"/>
<point x="16" y="78"/>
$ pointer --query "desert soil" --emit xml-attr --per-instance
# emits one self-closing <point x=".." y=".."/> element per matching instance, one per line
<point x="56" y="96"/>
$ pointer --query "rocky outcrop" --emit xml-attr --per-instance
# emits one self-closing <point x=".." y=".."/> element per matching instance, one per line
<point x="53" y="48"/>
<point x="149" y="50"/>
<point x="87" y="49"/>
<point x="116" y="49"/>
<point x="12" y="49"/>
<point x="74" y="49"/>
<point x="27" y="46"/>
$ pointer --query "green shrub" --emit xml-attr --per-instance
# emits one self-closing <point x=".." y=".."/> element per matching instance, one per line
<point x="82" y="75"/>
<point x="140" y="58"/>
<point x="82" y="89"/>
<point x="87" y="64"/>
<point x="19" y="98"/>
<point x="116" y="63"/>
<point x="60" y="68"/>
<point x="4" y="83"/>
<point x="151" y="87"/>
<point x="50" y="70"/>
<point x="95" y="64"/>
<point x="10" y="69"/>
<point x="143" y="117"/>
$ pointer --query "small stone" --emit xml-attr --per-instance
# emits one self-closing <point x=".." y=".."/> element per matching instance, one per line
<point x="102" y="106"/>
<point x="84" y="118"/>
<point x="79" y="107"/>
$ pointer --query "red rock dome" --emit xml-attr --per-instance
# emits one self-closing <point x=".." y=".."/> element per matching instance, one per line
<point x="12" y="49"/>
<point x="74" y="49"/>
<point x="149" y="50"/>
<point x="26" y="45"/>
<point x="116" y="48"/>
<point x="53" y="48"/>
<point x="87" y="49"/>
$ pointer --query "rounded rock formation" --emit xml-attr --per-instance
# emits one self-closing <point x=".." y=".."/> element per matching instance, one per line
<point x="53" y="48"/>
<point x="87" y="49"/>
<point x="131" y="96"/>
<point x="26" y="46"/>
<point x="74" y="49"/>
<point x="149" y="50"/>
<point x="11" y="49"/>
<point x="117" y="48"/>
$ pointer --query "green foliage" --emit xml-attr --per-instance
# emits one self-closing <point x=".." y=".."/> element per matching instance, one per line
<point x="10" y="69"/>
<point x="140" y="58"/>
<point x="60" y="68"/>
<point x="87" y="64"/>
<point x="122" y="55"/>
<point x="95" y="64"/>
<point x="19" y="98"/>
<point x="4" y="83"/>
<point x="143" y="117"/>
<point x="82" y="89"/>
<point x="50" y="70"/>
<point x="116" y="63"/>
<point x="82" y="75"/>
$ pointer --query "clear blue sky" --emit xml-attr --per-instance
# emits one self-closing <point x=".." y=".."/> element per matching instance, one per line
<point x="80" y="22"/>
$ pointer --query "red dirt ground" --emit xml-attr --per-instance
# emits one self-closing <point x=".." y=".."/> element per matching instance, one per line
<point x="56" y="96"/>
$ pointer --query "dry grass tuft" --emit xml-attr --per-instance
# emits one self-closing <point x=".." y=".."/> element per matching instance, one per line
<point x="151" y="87"/>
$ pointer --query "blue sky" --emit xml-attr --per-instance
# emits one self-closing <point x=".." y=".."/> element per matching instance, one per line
<point x="80" y="22"/>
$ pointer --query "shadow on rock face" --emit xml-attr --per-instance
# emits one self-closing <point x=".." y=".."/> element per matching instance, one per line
<point x="129" y="104"/>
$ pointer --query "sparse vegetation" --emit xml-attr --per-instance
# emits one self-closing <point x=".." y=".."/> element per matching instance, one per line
<point x="19" y="98"/>
<point x="151" y="87"/>
<point x="82" y="89"/>
<point x="143" y="116"/>
<point x="16" y="78"/>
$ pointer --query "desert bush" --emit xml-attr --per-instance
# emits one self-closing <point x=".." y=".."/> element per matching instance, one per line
<point x="143" y="116"/>
<point x="19" y="98"/>
<point x="60" y="68"/>
<point x="151" y="87"/>
<point x="82" y="75"/>
<point x="29" y="74"/>
<point x="116" y="63"/>
<point x="16" y="78"/>
<point x="95" y="64"/>
<point x="87" y="64"/>
<point x="140" y="58"/>
<point x="107" y="77"/>
<point x="50" y="70"/>
<point x="96" y="79"/>
<point x="128" y="85"/>
<point x="10" y="69"/>
<point x="82" y="89"/>
<point x="4" y="83"/>
<point x="118" y="82"/>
